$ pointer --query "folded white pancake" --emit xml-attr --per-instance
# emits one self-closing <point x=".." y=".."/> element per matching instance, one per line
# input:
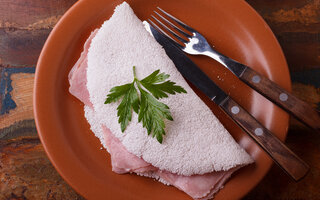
<point x="195" y="142"/>
<point x="200" y="187"/>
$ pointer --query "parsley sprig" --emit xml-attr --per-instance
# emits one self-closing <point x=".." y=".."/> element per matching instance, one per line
<point x="151" y="112"/>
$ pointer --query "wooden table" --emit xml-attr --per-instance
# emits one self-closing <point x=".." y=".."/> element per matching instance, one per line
<point x="26" y="172"/>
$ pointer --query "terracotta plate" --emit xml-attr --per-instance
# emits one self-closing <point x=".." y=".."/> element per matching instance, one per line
<point x="232" y="26"/>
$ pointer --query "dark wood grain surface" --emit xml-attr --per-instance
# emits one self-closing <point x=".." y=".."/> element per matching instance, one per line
<point x="26" y="172"/>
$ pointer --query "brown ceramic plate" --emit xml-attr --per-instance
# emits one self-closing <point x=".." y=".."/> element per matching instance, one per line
<point x="231" y="25"/>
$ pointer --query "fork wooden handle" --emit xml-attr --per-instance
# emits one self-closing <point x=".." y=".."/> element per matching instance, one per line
<point x="300" y="109"/>
<point x="280" y="154"/>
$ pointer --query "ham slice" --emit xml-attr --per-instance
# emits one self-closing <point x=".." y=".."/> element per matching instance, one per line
<point x="200" y="187"/>
<point x="197" y="186"/>
<point x="78" y="74"/>
<point x="123" y="161"/>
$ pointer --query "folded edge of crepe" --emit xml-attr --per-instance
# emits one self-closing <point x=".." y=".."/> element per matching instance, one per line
<point x="209" y="178"/>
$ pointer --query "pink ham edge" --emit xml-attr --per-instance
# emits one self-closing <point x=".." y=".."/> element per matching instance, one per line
<point x="78" y="74"/>
<point x="122" y="160"/>
<point x="201" y="187"/>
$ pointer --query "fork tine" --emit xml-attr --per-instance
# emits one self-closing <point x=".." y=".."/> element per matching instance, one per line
<point x="173" y="26"/>
<point x="159" y="29"/>
<point x="178" y="21"/>
<point x="165" y="34"/>
<point x="168" y="29"/>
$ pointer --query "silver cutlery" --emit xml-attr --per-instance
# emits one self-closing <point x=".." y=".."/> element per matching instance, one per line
<point x="281" y="154"/>
<point x="196" y="44"/>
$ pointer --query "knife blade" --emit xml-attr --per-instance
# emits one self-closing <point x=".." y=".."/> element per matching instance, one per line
<point x="282" y="155"/>
<point x="188" y="69"/>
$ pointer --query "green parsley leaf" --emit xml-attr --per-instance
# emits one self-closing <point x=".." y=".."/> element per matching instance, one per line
<point x="117" y="92"/>
<point x="130" y="101"/>
<point x="155" y="78"/>
<point x="151" y="112"/>
<point x="159" y="90"/>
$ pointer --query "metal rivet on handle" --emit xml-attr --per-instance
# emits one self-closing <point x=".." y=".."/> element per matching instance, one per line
<point x="283" y="97"/>
<point x="235" y="109"/>
<point x="258" y="131"/>
<point x="256" y="79"/>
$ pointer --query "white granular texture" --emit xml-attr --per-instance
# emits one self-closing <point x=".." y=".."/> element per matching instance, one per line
<point x="195" y="142"/>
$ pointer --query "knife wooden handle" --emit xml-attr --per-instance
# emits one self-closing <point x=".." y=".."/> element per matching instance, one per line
<point x="278" y="151"/>
<point x="298" y="108"/>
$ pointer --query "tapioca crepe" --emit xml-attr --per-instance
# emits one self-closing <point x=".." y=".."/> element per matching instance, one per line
<point x="197" y="154"/>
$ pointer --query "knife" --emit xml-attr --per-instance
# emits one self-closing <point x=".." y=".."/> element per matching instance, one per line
<point x="282" y="155"/>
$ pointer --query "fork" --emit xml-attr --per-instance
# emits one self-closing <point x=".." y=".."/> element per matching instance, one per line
<point x="196" y="44"/>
